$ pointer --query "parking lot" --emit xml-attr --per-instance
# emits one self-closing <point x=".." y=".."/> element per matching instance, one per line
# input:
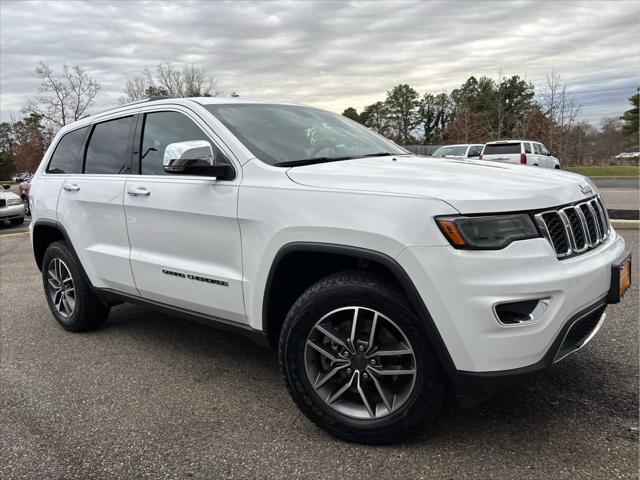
<point x="150" y="396"/>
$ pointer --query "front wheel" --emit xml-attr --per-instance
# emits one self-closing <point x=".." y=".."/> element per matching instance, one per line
<point x="357" y="361"/>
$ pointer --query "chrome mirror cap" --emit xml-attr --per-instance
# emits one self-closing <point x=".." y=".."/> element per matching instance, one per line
<point x="181" y="155"/>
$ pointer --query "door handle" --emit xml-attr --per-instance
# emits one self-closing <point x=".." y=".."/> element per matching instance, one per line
<point x="71" y="188"/>
<point x="138" y="192"/>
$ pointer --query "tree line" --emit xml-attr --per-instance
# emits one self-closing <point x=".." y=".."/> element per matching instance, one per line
<point x="481" y="109"/>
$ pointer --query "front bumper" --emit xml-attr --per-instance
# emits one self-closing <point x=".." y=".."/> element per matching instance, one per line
<point x="460" y="288"/>
<point x="12" y="211"/>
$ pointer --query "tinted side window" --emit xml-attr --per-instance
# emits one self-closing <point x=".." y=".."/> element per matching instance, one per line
<point x="474" y="152"/>
<point x="108" y="149"/>
<point x="527" y="147"/>
<point x="66" y="158"/>
<point x="164" y="128"/>
<point x="545" y="150"/>
<point x="537" y="149"/>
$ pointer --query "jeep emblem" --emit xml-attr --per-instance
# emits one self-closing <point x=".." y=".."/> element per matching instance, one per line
<point x="586" y="189"/>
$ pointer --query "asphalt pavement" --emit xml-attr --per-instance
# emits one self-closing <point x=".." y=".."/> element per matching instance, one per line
<point x="151" y="396"/>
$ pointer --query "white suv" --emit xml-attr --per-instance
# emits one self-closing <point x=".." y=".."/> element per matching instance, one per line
<point x="524" y="152"/>
<point x="383" y="280"/>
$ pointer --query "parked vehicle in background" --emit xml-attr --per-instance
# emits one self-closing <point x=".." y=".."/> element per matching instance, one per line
<point x="524" y="152"/>
<point x="382" y="279"/>
<point x="21" y="177"/>
<point x="459" y="151"/>
<point x="11" y="206"/>
<point x="24" y="195"/>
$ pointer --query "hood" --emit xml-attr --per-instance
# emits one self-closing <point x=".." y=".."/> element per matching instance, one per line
<point x="470" y="186"/>
<point x="7" y="194"/>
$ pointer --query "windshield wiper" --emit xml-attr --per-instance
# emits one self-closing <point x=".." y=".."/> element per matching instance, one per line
<point x="381" y="154"/>
<point x="310" y="161"/>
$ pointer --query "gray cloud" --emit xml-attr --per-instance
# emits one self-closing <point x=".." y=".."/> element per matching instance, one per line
<point x="331" y="54"/>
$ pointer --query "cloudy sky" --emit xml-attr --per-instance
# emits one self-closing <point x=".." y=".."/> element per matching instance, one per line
<point x="331" y="54"/>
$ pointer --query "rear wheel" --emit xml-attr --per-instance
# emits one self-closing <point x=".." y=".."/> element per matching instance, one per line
<point x="70" y="299"/>
<point x="357" y="362"/>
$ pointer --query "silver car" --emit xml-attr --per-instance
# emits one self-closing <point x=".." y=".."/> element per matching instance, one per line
<point x="11" y="206"/>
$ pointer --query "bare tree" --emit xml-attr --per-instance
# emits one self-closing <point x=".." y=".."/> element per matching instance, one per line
<point x="168" y="80"/>
<point x="62" y="99"/>
<point x="134" y="90"/>
<point x="560" y="109"/>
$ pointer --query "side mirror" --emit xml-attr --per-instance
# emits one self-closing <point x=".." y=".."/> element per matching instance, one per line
<point x="6" y="186"/>
<point x="193" y="157"/>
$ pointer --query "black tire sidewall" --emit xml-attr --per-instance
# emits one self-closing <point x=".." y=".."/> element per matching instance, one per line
<point x="88" y="313"/>
<point x="427" y="391"/>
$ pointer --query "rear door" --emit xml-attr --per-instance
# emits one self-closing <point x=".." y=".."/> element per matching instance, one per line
<point x="547" y="160"/>
<point x="90" y="205"/>
<point x="474" y="151"/>
<point x="538" y="156"/>
<point x="183" y="229"/>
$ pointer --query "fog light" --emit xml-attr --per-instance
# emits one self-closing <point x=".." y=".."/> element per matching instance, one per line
<point x="521" y="312"/>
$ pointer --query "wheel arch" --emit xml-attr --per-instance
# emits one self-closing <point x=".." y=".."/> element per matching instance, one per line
<point x="272" y="311"/>
<point x="45" y="232"/>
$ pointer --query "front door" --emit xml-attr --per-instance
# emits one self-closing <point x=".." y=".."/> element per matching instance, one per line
<point x="183" y="229"/>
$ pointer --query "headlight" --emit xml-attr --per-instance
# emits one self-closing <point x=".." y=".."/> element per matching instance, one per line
<point x="487" y="232"/>
<point x="14" y="201"/>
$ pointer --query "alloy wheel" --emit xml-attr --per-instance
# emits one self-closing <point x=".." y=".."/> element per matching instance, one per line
<point x="360" y="362"/>
<point x="61" y="287"/>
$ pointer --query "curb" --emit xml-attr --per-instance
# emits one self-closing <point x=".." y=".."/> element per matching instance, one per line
<point x="13" y="232"/>
<point x="629" y="177"/>
<point x="625" y="224"/>
<point x="618" y="214"/>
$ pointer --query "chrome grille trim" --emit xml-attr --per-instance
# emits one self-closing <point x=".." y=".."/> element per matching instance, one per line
<point x="592" y="229"/>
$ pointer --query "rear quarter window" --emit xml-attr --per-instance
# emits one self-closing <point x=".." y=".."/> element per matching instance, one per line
<point x="66" y="158"/>
<point x="501" y="149"/>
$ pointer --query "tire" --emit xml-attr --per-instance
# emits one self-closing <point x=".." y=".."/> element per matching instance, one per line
<point x="78" y="309"/>
<point x="557" y="167"/>
<point x="418" y="401"/>
<point x="17" y="221"/>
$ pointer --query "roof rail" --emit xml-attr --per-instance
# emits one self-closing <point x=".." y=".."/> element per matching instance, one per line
<point x="135" y="102"/>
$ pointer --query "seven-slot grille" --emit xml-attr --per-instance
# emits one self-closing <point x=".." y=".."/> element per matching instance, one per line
<point x="577" y="228"/>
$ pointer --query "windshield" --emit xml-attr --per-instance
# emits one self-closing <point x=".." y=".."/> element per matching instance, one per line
<point x="286" y="135"/>
<point x="450" y="152"/>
